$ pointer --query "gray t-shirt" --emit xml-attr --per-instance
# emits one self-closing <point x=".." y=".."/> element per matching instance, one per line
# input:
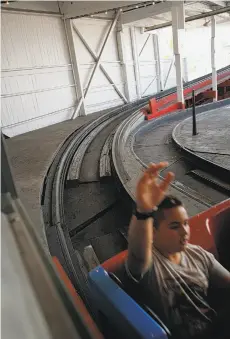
<point x="178" y="293"/>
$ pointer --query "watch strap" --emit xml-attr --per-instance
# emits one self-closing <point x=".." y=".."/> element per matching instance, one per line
<point x="142" y="215"/>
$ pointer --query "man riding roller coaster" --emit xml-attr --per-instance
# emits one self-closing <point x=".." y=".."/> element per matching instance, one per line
<point x="172" y="276"/>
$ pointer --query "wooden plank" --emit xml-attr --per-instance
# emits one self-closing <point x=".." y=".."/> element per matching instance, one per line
<point x="90" y="257"/>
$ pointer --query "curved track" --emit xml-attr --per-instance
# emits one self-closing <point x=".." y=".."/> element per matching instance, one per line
<point x="83" y="211"/>
<point x="158" y="137"/>
<point x="69" y="163"/>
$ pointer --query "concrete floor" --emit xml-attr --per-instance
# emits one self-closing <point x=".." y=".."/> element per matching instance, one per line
<point x="153" y="143"/>
<point x="213" y="138"/>
<point x="30" y="156"/>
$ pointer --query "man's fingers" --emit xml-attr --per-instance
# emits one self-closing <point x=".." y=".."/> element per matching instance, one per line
<point x="166" y="181"/>
<point x="152" y="171"/>
<point x="154" y="168"/>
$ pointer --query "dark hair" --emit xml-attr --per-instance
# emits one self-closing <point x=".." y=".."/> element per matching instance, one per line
<point x="168" y="202"/>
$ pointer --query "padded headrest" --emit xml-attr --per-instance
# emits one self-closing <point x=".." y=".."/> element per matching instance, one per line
<point x="201" y="235"/>
<point x="220" y="220"/>
<point x="113" y="264"/>
<point x="204" y="226"/>
<point x="220" y="228"/>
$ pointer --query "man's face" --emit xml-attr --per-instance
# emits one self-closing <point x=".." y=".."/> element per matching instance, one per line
<point x="173" y="232"/>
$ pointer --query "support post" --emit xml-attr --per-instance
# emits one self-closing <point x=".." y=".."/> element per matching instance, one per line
<point x="122" y="58"/>
<point x="136" y="62"/>
<point x="158" y="63"/>
<point x="80" y="108"/>
<point x="185" y="63"/>
<point x="213" y="56"/>
<point x="178" y="24"/>
<point x="194" y="130"/>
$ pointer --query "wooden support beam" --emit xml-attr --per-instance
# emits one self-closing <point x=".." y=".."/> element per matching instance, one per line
<point x="95" y="57"/>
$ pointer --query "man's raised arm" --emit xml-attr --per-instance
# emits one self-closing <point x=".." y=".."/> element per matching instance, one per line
<point x="149" y="194"/>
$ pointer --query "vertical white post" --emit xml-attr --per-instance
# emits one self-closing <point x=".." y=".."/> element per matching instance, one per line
<point x="185" y="63"/>
<point x="122" y="58"/>
<point x="136" y="62"/>
<point x="80" y="108"/>
<point x="178" y="24"/>
<point x="213" y="56"/>
<point x="158" y="63"/>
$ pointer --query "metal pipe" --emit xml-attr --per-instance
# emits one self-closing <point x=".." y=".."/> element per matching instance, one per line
<point x="194" y="130"/>
<point x="190" y="18"/>
<point x="213" y="56"/>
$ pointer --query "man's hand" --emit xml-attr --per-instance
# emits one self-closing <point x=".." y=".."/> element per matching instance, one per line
<point x="149" y="192"/>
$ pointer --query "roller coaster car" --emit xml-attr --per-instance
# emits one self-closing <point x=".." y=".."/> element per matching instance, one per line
<point x="129" y="319"/>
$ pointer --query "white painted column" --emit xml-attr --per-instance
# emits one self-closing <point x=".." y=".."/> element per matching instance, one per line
<point x="213" y="56"/>
<point x="158" y="63"/>
<point x="122" y="58"/>
<point x="136" y="62"/>
<point x="178" y="24"/>
<point x="185" y="64"/>
<point x="80" y="107"/>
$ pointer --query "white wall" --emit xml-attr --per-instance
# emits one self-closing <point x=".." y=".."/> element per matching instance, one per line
<point x="147" y="62"/>
<point x="37" y="80"/>
<point x="199" y="51"/>
<point x="166" y="56"/>
<point x="101" y="94"/>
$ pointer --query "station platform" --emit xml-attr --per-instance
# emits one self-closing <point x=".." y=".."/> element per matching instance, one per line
<point x="30" y="156"/>
<point x="213" y="138"/>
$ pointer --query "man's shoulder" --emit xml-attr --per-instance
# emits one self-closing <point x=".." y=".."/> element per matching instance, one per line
<point x="197" y="252"/>
<point x="195" y="249"/>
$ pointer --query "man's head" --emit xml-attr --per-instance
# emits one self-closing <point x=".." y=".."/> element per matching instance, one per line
<point x="171" y="228"/>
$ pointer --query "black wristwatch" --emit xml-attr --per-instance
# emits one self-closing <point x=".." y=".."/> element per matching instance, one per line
<point x="143" y="216"/>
